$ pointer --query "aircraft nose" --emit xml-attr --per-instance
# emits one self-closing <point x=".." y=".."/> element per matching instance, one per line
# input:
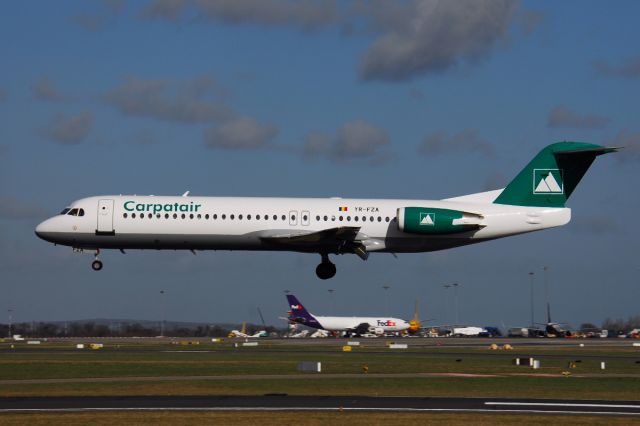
<point x="44" y="228"/>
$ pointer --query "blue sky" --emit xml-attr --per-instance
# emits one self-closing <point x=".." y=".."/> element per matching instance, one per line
<point x="414" y="99"/>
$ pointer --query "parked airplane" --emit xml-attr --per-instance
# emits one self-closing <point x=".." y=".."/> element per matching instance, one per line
<point x="533" y="201"/>
<point x="243" y="333"/>
<point x="350" y="325"/>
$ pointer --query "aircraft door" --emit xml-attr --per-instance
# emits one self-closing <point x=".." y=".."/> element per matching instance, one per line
<point x="305" y="218"/>
<point x="105" y="217"/>
<point x="293" y="217"/>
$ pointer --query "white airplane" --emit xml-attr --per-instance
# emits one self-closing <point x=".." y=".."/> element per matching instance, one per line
<point x="533" y="201"/>
<point x="300" y="335"/>
<point x="243" y="333"/>
<point x="351" y="325"/>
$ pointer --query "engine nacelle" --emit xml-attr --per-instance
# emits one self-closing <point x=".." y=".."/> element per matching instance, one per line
<point x="378" y="331"/>
<point x="433" y="221"/>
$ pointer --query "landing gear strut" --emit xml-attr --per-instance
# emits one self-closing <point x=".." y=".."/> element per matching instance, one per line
<point x="96" y="265"/>
<point x="326" y="269"/>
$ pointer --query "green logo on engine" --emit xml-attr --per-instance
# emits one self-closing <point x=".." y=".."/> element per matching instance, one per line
<point x="427" y="219"/>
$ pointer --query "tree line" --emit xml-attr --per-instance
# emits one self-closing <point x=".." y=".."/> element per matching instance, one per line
<point x="118" y="329"/>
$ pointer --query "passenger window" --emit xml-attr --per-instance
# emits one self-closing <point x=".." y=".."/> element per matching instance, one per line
<point x="224" y="216"/>
<point x="379" y="219"/>
<point x="304" y="217"/>
<point x="317" y="218"/>
<point x="215" y="216"/>
<point x="239" y="217"/>
<point x="293" y="217"/>
<point x="257" y="217"/>
<point x="231" y="217"/>
<point x="150" y="215"/>
<point x="199" y="216"/>
<point x="371" y="218"/>
<point x="355" y="218"/>
<point x="364" y="218"/>
<point x="340" y="218"/>
<point x="333" y="218"/>
<point x="206" y="216"/>
<point x="191" y="216"/>
<point x="284" y="217"/>
<point x="175" y="215"/>
<point x="348" y="218"/>
<point x="325" y="218"/>
<point x="166" y="215"/>
<point x="124" y="215"/>
<point x="133" y="215"/>
<point x="275" y="217"/>
<point x="183" y="215"/>
<point x="248" y="217"/>
<point x="386" y="219"/>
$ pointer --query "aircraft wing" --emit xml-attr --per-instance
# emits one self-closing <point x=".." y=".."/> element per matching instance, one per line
<point x="334" y="240"/>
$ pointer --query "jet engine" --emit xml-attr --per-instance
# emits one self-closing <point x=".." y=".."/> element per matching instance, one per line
<point x="378" y="331"/>
<point x="433" y="221"/>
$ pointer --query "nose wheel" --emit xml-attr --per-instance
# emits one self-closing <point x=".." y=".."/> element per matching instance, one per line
<point x="325" y="269"/>
<point x="96" y="265"/>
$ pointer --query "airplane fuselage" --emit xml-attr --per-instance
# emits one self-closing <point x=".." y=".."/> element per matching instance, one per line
<point x="382" y="324"/>
<point x="228" y="223"/>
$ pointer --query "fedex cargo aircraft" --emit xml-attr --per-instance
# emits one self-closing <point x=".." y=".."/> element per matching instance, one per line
<point x="534" y="200"/>
<point x="352" y="325"/>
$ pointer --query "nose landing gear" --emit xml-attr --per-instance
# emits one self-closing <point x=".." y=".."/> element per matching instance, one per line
<point x="325" y="269"/>
<point x="96" y="265"/>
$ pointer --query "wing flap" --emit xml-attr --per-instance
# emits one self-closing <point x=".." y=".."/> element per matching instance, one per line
<point x="342" y="239"/>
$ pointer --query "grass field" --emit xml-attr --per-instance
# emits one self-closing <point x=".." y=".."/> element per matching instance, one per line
<point x="169" y="369"/>
<point x="450" y="369"/>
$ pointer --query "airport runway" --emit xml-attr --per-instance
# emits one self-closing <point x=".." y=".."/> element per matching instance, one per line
<point x="322" y="403"/>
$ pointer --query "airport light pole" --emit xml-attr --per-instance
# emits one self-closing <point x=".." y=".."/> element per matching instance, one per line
<point x="10" y="321"/>
<point x="546" y="291"/>
<point x="386" y="288"/>
<point x="531" y="277"/>
<point x="331" y="290"/>
<point x="455" y="298"/>
<point x="446" y="302"/>
<point x="163" y="313"/>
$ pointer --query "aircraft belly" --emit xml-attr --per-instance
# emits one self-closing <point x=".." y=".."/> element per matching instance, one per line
<point x="159" y="241"/>
<point x="250" y="241"/>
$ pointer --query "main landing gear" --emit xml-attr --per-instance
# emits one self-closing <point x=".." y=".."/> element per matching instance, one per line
<point x="326" y="269"/>
<point x="96" y="265"/>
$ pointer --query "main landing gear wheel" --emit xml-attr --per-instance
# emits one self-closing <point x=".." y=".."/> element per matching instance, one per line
<point x="326" y="269"/>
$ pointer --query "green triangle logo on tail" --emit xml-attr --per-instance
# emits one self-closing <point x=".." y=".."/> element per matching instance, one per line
<point x="555" y="171"/>
<point x="547" y="181"/>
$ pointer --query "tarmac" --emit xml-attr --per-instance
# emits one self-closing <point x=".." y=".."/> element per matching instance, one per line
<point x="280" y="402"/>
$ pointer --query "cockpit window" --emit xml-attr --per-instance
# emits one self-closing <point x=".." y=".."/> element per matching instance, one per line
<point x="65" y="211"/>
<point x="81" y="212"/>
<point x="73" y="212"/>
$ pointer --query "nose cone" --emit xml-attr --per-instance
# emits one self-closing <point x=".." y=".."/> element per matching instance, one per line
<point x="44" y="229"/>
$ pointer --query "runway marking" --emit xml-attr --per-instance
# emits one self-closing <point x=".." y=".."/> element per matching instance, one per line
<point x="461" y="410"/>
<point x="562" y="404"/>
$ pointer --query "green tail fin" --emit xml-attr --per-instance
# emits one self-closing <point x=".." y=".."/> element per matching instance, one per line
<point x="550" y="178"/>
